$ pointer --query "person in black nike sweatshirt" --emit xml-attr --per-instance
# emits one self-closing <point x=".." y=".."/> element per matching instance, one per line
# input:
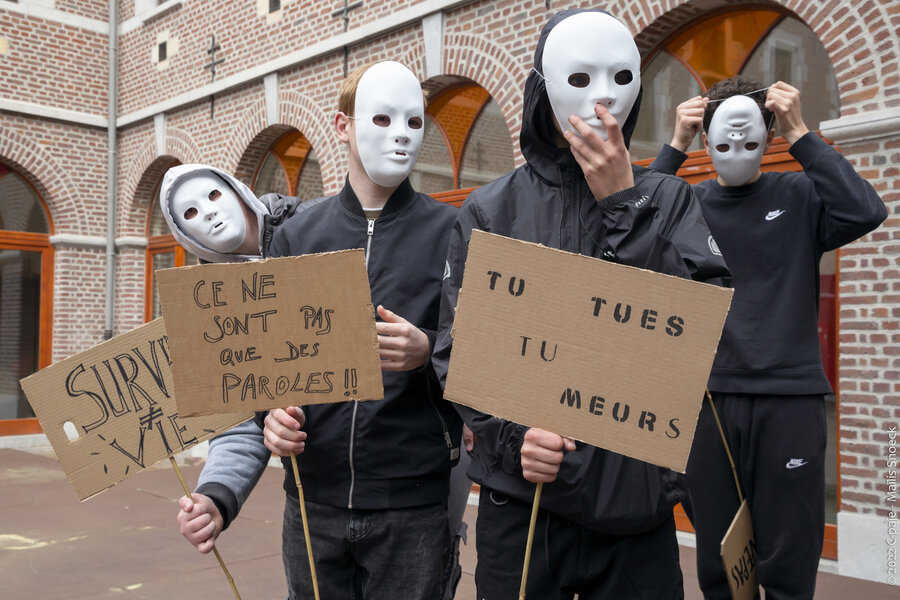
<point x="605" y="528"/>
<point x="767" y="381"/>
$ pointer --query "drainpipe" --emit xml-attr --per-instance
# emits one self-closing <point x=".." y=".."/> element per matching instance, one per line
<point x="111" y="163"/>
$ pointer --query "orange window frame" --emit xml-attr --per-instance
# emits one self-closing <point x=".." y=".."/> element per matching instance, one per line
<point x="34" y="242"/>
<point x="158" y="244"/>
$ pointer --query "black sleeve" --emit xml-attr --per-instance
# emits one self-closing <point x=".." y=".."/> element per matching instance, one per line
<point x="279" y="245"/>
<point x="850" y="206"/>
<point x="689" y="233"/>
<point x="668" y="161"/>
<point x="500" y="437"/>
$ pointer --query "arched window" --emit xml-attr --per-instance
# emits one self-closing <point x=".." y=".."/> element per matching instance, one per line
<point x="26" y="284"/>
<point x="467" y="142"/>
<point x="766" y="44"/>
<point x="290" y="167"/>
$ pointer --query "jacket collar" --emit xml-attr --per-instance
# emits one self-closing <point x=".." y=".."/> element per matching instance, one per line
<point x="401" y="197"/>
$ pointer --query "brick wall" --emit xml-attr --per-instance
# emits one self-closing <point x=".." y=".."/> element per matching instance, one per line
<point x="870" y="338"/>
<point x="53" y="64"/>
<point x="78" y="300"/>
<point x="66" y="164"/>
<point x="91" y="9"/>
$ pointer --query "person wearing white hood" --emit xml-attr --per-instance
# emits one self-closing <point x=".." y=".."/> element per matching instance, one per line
<point x="767" y="380"/>
<point x="217" y="218"/>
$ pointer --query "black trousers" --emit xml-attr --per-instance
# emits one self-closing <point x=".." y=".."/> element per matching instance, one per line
<point x="567" y="558"/>
<point x="778" y="446"/>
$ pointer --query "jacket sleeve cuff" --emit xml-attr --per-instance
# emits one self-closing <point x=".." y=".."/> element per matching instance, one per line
<point x="432" y="338"/>
<point x="620" y="197"/>
<point x="223" y="499"/>
<point x="669" y="160"/>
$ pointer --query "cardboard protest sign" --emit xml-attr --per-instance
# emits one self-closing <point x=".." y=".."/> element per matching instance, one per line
<point x="739" y="555"/>
<point x="109" y="412"/>
<point x="614" y="356"/>
<point x="273" y="333"/>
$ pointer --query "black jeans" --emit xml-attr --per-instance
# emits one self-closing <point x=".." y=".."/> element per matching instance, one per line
<point x="366" y="554"/>
<point x="778" y="445"/>
<point x="567" y="558"/>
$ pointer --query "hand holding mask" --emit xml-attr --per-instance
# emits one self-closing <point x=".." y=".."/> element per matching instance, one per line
<point x="784" y="100"/>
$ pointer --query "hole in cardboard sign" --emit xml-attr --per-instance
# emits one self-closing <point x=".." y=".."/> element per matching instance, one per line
<point x="71" y="431"/>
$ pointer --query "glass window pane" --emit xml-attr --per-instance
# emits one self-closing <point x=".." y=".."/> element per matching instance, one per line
<point x="489" y="150"/>
<point x="20" y="291"/>
<point x="162" y="260"/>
<point x="717" y="47"/>
<point x="792" y="53"/>
<point x="271" y="177"/>
<point x="434" y="167"/>
<point x="667" y="83"/>
<point x="158" y="225"/>
<point x="20" y="208"/>
<point x="309" y="185"/>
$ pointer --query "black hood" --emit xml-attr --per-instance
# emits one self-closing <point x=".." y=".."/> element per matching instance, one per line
<point x="537" y="137"/>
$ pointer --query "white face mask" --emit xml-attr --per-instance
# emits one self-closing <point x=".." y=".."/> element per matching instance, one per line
<point x="389" y="122"/>
<point x="208" y="211"/>
<point x="591" y="58"/>
<point x="737" y="139"/>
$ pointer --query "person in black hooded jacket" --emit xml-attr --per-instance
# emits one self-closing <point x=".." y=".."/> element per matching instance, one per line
<point x="605" y="528"/>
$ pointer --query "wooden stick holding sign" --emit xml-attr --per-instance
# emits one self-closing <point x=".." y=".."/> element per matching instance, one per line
<point x="305" y="521"/>
<point x="528" y="544"/>
<point x="547" y="318"/>
<point x="187" y="492"/>
<point x="110" y="412"/>
<point x="271" y="333"/>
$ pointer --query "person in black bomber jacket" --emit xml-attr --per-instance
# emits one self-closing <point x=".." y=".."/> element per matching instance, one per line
<point x="605" y="528"/>
<point x="376" y="473"/>
<point x="767" y="381"/>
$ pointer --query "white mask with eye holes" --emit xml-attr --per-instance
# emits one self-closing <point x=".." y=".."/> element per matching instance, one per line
<point x="389" y="122"/>
<point x="591" y="58"/>
<point x="737" y="139"/>
<point x="208" y="211"/>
